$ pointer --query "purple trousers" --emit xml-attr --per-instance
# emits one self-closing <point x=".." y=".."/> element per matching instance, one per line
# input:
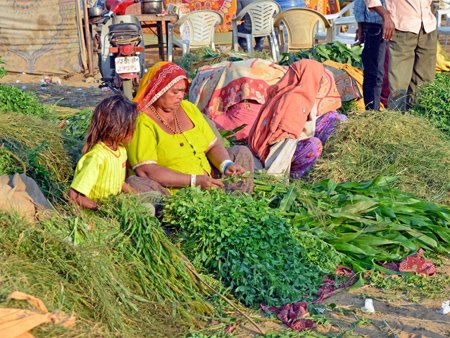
<point x="309" y="150"/>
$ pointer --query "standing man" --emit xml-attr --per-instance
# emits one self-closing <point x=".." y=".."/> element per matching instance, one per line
<point x="370" y="32"/>
<point x="410" y="28"/>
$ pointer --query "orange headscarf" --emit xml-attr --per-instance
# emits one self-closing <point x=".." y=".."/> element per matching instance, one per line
<point x="289" y="104"/>
<point x="157" y="81"/>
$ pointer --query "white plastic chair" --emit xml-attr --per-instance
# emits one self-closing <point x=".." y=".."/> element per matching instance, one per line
<point x="443" y="29"/>
<point x="261" y="14"/>
<point x="196" y="30"/>
<point x="297" y="27"/>
<point x="338" y="20"/>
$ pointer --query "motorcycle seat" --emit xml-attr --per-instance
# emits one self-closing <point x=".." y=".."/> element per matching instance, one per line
<point x="124" y="27"/>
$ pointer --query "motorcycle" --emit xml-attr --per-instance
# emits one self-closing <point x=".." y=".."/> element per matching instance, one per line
<point x="121" y="54"/>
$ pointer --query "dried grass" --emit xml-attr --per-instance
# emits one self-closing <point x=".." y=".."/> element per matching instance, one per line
<point x="393" y="144"/>
<point x="81" y="263"/>
<point x="48" y="156"/>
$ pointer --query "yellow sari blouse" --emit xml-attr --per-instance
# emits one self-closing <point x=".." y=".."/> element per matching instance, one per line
<point x="185" y="152"/>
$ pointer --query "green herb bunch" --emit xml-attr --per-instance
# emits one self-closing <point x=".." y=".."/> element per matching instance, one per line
<point x="369" y="221"/>
<point x="246" y="244"/>
<point x="335" y="51"/>
<point x="15" y="100"/>
<point x="433" y="102"/>
<point x="77" y="125"/>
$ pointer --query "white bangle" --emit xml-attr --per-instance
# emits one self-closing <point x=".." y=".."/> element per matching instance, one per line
<point x="193" y="180"/>
<point x="224" y="165"/>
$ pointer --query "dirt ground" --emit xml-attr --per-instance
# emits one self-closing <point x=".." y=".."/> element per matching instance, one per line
<point x="394" y="316"/>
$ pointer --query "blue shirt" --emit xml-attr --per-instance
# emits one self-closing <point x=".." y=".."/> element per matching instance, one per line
<point x="362" y="14"/>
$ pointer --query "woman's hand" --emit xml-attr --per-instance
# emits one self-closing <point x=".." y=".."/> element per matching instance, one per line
<point x="234" y="170"/>
<point x="206" y="182"/>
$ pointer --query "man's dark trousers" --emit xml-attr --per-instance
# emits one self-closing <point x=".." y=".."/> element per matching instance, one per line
<point x="373" y="55"/>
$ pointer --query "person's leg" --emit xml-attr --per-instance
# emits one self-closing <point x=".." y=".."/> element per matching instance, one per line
<point x="259" y="43"/>
<point x="243" y="156"/>
<point x="373" y="61"/>
<point x="149" y="193"/>
<point x="401" y="63"/>
<point x="242" y="41"/>
<point x="144" y="184"/>
<point x="425" y="63"/>
<point x="385" y="86"/>
<point x="327" y="123"/>
<point x="306" y="154"/>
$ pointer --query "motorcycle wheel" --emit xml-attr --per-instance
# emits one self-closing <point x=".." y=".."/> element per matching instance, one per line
<point x="127" y="87"/>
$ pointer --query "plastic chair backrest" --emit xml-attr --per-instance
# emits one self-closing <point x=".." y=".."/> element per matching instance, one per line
<point x="347" y="8"/>
<point x="443" y="28"/>
<point x="440" y="13"/>
<point x="261" y="14"/>
<point x="301" y="26"/>
<point x="198" y="27"/>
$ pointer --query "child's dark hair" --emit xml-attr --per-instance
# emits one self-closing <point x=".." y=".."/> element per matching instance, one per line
<point x="113" y="120"/>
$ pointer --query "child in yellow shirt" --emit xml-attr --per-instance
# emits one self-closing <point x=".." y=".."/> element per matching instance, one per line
<point x="101" y="170"/>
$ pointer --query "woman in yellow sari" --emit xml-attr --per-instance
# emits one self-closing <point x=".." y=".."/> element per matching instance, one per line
<point x="173" y="145"/>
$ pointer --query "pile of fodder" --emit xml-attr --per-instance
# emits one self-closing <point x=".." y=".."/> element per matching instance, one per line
<point x="115" y="270"/>
<point x="433" y="102"/>
<point x="390" y="144"/>
<point x="41" y="150"/>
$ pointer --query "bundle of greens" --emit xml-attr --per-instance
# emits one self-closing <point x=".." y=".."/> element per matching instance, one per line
<point x="77" y="125"/>
<point x="335" y="51"/>
<point x="367" y="222"/>
<point x="10" y="163"/>
<point x="31" y="144"/>
<point x="247" y="246"/>
<point x="167" y="269"/>
<point x="15" y="100"/>
<point x="389" y="143"/>
<point x="432" y="102"/>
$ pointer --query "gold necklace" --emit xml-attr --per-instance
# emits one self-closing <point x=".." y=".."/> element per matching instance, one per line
<point x="168" y="126"/>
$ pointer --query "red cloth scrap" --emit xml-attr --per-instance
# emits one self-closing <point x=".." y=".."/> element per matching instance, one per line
<point x="414" y="263"/>
<point x="293" y="314"/>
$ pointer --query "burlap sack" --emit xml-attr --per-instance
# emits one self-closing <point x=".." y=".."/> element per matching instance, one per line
<point x="21" y="194"/>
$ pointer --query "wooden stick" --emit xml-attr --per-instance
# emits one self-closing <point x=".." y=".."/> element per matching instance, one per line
<point x="81" y="36"/>
<point x="87" y="34"/>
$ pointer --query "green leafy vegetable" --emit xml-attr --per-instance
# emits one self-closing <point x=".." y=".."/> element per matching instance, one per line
<point x="15" y="100"/>
<point x="335" y="51"/>
<point x="433" y="102"/>
<point x="251" y="249"/>
<point x="365" y="221"/>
